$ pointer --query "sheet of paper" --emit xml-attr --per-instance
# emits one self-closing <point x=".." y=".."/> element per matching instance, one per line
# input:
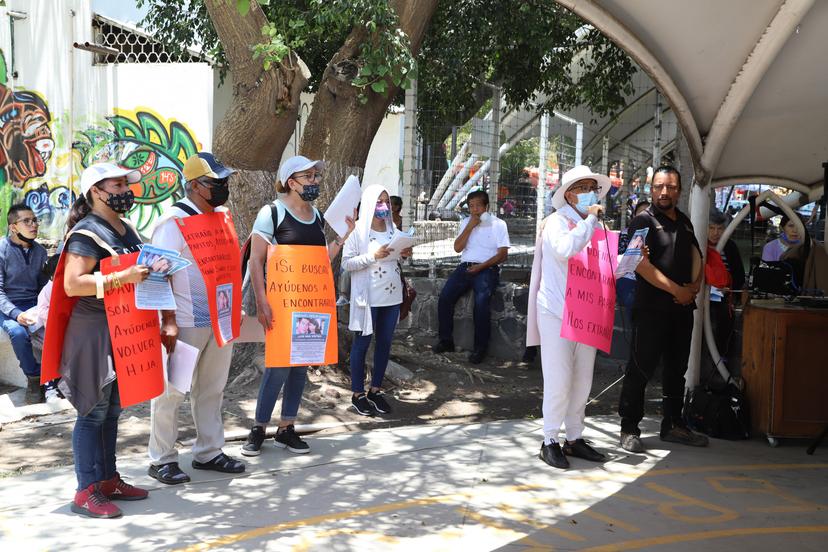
<point x="152" y="294"/>
<point x="632" y="256"/>
<point x="32" y="313"/>
<point x="181" y="365"/>
<point x="400" y="241"/>
<point x="343" y="205"/>
<point x="155" y="292"/>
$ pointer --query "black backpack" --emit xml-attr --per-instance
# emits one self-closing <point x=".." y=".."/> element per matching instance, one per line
<point x="721" y="413"/>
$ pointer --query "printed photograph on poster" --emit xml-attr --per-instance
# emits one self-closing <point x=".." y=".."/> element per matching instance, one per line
<point x="161" y="262"/>
<point x="155" y="292"/>
<point x="309" y="337"/>
<point x="632" y="256"/>
<point x="224" y="310"/>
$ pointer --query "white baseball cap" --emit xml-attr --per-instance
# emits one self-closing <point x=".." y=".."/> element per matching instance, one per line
<point x="297" y="164"/>
<point x="573" y="175"/>
<point x="101" y="171"/>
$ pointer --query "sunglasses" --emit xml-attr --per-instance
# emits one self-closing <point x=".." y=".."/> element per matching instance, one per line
<point x="212" y="182"/>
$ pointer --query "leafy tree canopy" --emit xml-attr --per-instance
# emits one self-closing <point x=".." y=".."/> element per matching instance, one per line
<point x="528" y="47"/>
<point x="315" y="29"/>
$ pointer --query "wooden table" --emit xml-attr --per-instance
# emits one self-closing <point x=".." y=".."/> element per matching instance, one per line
<point x="785" y="367"/>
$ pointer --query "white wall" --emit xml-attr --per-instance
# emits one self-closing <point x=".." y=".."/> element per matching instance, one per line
<point x="171" y="105"/>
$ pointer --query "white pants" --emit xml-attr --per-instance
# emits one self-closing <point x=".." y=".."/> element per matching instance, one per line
<point x="567" y="379"/>
<point x="206" y="395"/>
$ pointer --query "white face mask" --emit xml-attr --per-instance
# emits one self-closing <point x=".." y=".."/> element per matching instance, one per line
<point x="485" y="218"/>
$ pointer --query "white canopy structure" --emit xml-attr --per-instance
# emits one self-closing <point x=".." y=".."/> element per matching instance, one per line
<point x="747" y="83"/>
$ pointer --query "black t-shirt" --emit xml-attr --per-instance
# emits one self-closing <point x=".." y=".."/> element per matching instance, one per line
<point x="295" y="232"/>
<point x="671" y="244"/>
<point x="85" y="246"/>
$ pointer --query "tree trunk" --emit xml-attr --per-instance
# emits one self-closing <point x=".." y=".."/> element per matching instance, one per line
<point x="249" y="190"/>
<point x="340" y="129"/>
<point x="262" y="116"/>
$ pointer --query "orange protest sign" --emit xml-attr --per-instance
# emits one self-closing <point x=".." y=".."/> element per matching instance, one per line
<point x="214" y="244"/>
<point x="136" y="339"/>
<point x="300" y="292"/>
<point x="60" y="310"/>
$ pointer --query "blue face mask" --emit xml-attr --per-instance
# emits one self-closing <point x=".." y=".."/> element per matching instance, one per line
<point x="381" y="211"/>
<point x="585" y="201"/>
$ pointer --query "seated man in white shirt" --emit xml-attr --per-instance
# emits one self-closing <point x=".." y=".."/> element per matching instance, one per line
<point x="484" y="244"/>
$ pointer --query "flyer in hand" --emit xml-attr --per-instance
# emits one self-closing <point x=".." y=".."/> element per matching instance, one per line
<point x="633" y="255"/>
<point x="155" y="292"/>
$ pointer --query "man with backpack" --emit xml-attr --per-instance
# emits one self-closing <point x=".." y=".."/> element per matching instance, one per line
<point x="192" y="323"/>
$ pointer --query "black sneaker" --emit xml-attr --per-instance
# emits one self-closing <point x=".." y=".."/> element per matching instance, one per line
<point x="553" y="455"/>
<point x="288" y="438"/>
<point x="362" y="405"/>
<point x="443" y="347"/>
<point x="477" y="357"/>
<point x="253" y="446"/>
<point x="378" y="401"/>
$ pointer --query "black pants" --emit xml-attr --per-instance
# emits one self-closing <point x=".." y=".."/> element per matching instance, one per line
<point x="657" y="335"/>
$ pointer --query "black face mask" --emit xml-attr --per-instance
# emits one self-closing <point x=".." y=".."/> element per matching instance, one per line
<point x="23" y="238"/>
<point x="309" y="192"/>
<point x="218" y="195"/>
<point x="121" y="203"/>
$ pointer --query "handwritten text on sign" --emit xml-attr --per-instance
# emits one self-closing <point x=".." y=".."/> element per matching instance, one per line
<point x="589" y="305"/>
<point x="136" y="340"/>
<point x="300" y="282"/>
<point x="214" y="245"/>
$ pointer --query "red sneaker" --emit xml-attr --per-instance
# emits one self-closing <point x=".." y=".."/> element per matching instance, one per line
<point x="90" y="502"/>
<point x="118" y="489"/>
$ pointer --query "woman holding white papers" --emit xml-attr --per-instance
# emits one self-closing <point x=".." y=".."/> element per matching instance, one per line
<point x="567" y="365"/>
<point x="376" y="295"/>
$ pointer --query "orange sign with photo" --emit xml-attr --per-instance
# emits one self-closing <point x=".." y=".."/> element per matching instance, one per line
<point x="213" y="241"/>
<point x="302" y="299"/>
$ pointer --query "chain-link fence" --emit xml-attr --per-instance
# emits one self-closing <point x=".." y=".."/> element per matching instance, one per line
<point x="500" y="152"/>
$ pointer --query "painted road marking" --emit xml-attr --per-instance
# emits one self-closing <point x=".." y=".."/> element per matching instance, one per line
<point x="671" y="509"/>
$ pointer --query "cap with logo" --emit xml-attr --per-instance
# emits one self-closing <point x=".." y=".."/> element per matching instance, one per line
<point x="101" y="171"/>
<point x="205" y="164"/>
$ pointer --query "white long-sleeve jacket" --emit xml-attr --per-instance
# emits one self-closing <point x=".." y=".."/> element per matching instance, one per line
<point x="564" y="234"/>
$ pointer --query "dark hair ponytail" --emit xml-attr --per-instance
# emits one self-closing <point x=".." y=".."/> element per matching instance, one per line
<point x="81" y="208"/>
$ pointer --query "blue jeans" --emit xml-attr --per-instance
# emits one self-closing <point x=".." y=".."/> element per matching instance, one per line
<point x="625" y="294"/>
<point x="385" y="322"/>
<point x="21" y="343"/>
<point x="94" y="438"/>
<point x="293" y="380"/>
<point x="484" y="284"/>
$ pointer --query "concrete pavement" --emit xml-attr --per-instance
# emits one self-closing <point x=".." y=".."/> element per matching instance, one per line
<point x="454" y="487"/>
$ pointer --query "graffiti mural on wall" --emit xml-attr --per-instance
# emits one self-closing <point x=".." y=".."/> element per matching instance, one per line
<point x="141" y="140"/>
<point x="35" y="171"/>
<point x="26" y="143"/>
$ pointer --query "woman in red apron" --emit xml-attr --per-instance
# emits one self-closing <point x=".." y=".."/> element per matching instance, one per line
<point x="96" y="231"/>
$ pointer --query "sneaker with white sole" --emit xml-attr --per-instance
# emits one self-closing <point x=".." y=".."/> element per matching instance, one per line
<point x="253" y="446"/>
<point x="289" y="439"/>
<point x="362" y="405"/>
<point x="378" y="401"/>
